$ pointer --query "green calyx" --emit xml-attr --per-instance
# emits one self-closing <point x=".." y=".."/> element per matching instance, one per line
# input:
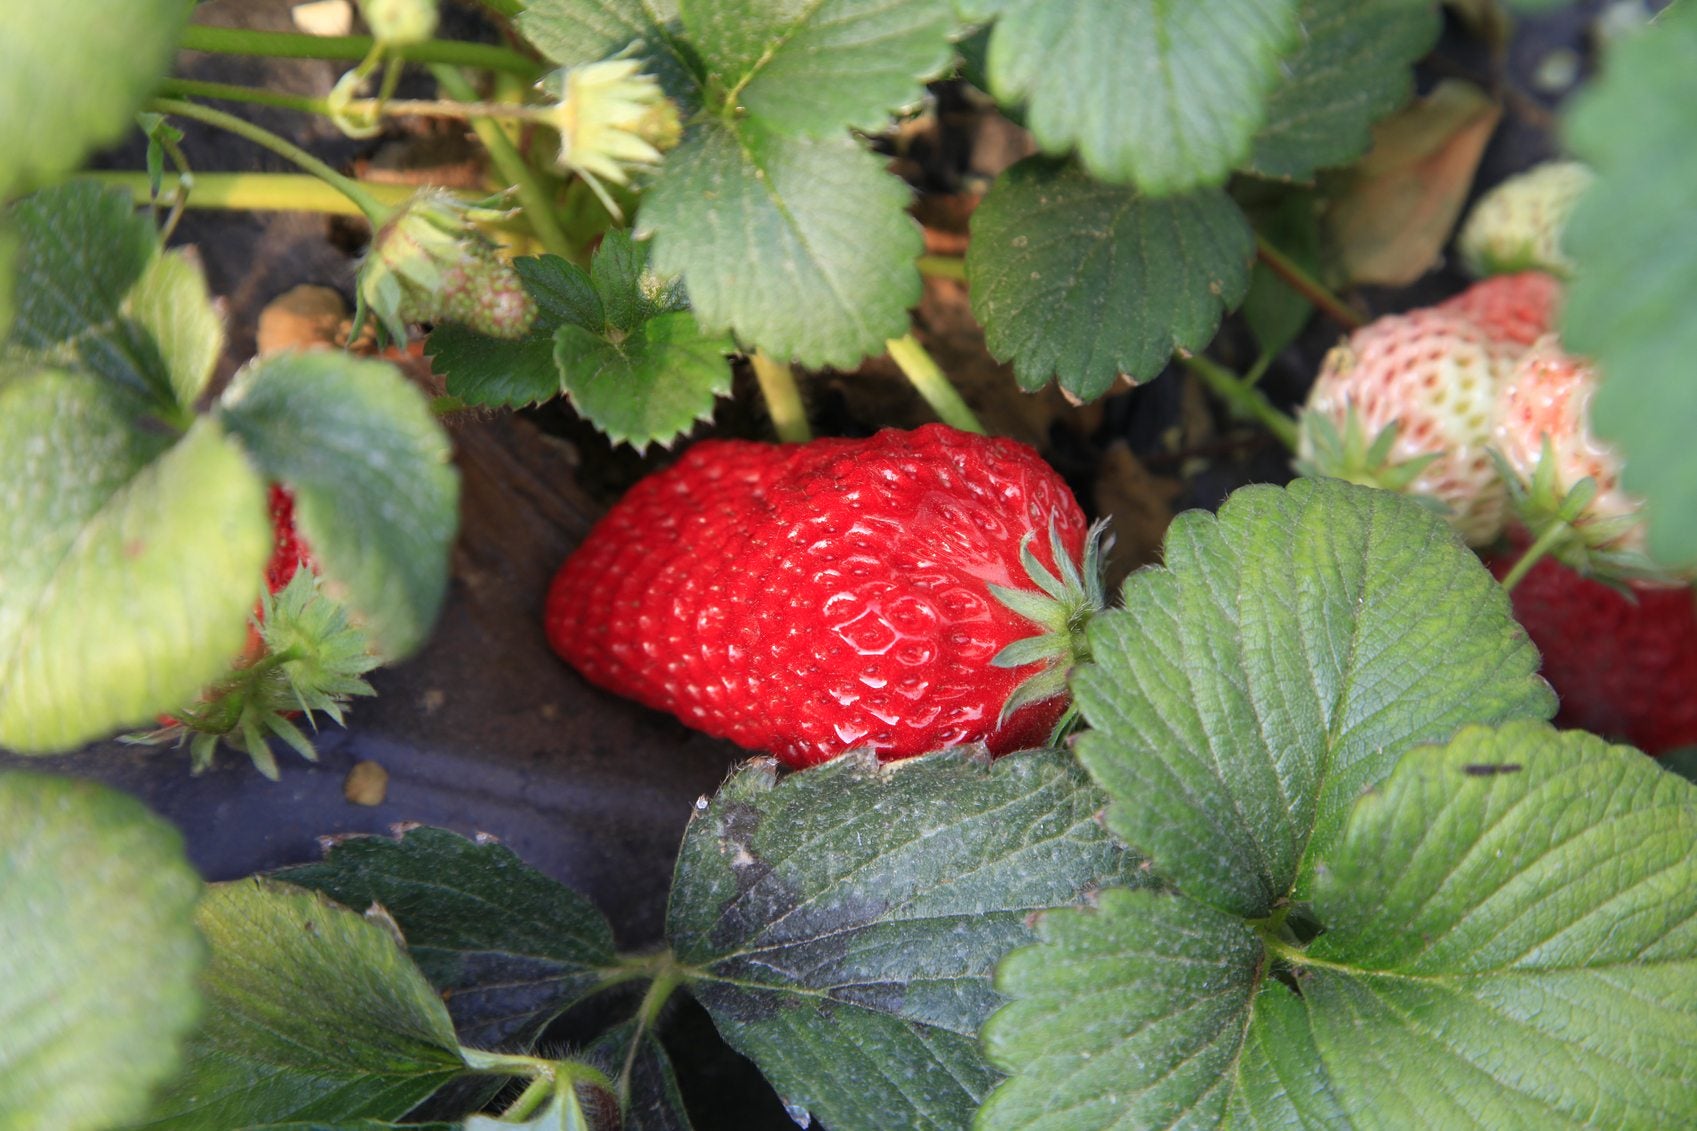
<point x="1351" y="455"/>
<point x="1565" y="526"/>
<point x="1062" y="606"/>
<point x="313" y="661"/>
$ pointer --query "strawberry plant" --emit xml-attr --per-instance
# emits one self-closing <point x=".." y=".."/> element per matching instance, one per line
<point x="1275" y="829"/>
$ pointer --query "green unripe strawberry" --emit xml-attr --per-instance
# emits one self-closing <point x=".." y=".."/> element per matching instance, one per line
<point x="429" y="264"/>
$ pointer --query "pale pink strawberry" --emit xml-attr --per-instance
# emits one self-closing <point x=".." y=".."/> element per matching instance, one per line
<point x="1407" y="404"/>
<point x="1517" y="308"/>
<point x="1543" y="431"/>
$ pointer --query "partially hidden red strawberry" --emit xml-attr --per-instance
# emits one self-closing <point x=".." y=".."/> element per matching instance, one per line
<point x="1406" y="404"/>
<point x="289" y="550"/>
<point x="1623" y="663"/>
<point x="1517" y="309"/>
<point x="809" y="599"/>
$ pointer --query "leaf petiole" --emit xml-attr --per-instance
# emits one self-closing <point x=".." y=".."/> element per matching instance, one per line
<point x="928" y="380"/>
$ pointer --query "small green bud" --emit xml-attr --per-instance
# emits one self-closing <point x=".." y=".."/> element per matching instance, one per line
<point x="399" y="23"/>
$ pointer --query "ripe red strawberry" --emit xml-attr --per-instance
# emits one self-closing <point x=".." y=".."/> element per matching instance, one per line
<point x="1510" y="308"/>
<point x="1432" y="375"/>
<point x="1624" y="666"/>
<point x="812" y="598"/>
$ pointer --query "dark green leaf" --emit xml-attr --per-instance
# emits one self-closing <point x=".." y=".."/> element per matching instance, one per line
<point x="653" y="1102"/>
<point x="653" y="385"/>
<point x="802" y="248"/>
<point x="131" y="564"/>
<point x="1633" y="238"/>
<point x="375" y="497"/>
<point x="1509" y="940"/>
<point x="508" y="947"/>
<point x="81" y="250"/>
<point x="82" y="68"/>
<point x="840" y="925"/>
<point x="313" y="1013"/>
<point x="1085" y="281"/>
<point x="1127" y="1015"/>
<point x="514" y="373"/>
<point x="626" y="291"/>
<point x="1166" y="96"/>
<point x="99" y="953"/>
<point x="1289" y="651"/>
<point x="1682" y="762"/>
<point x="1289" y="219"/>
<point x="1353" y="66"/>
<point x="574" y="32"/>
<point x="819" y="68"/>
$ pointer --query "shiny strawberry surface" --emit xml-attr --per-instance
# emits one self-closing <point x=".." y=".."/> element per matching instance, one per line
<point x="808" y="599"/>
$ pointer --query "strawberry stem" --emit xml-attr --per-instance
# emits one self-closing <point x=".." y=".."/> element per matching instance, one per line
<point x="293" y="45"/>
<point x="375" y="210"/>
<point x="533" y="194"/>
<point x="783" y="398"/>
<point x="1540" y="548"/>
<point x="943" y="267"/>
<point x="1306" y="285"/>
<point x="928" y="380"/>
<point x="259" y="192"/>
<point x="1244" y="397"/>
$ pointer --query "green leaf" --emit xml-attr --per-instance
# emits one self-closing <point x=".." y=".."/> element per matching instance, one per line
<point x="1125" y="1015"/>
<point x="313" y="1013"/>
<point x="617" y="339"/>
<point x="97" y="973"/>
<point x="509" y="948"/>
<point x="8" y="261"/>
<point x="1290" y="649"/>
<point x="1353" y="66"/>
<point x="78" y="99"/>
<point x="1289" y="219"/>
<point x="131" y="564"/>
<point x="353" y="1125"/>
<point x="840" y="925"/>
<point x="653" y="385"/>
<point x="654" y="1102"/>
<point x="1633" y="238"/>
<point x="170" y="304"/>
<point x="507" y="372"/>
<point x="1083" y="281"/>
<point x="802" y="248"/>
<point x="1509" y="939"/>
<point x="1167" y="96"/>
<point x="817" y="69"/>
<point x="1516" y="916"/>
<point x="82" y="249"/>
<point x="574" y="32"/>
<point x="375" y="497"/>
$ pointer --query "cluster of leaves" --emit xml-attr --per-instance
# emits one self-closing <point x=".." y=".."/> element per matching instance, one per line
<point x="1297" y="873"/>
<point x="137" y="532"/>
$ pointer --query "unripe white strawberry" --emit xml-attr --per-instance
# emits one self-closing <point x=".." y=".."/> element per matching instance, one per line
<point x="1543" y="433"/>
<point x="1518" y="225"/>
<point x="1407" y="404"/>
